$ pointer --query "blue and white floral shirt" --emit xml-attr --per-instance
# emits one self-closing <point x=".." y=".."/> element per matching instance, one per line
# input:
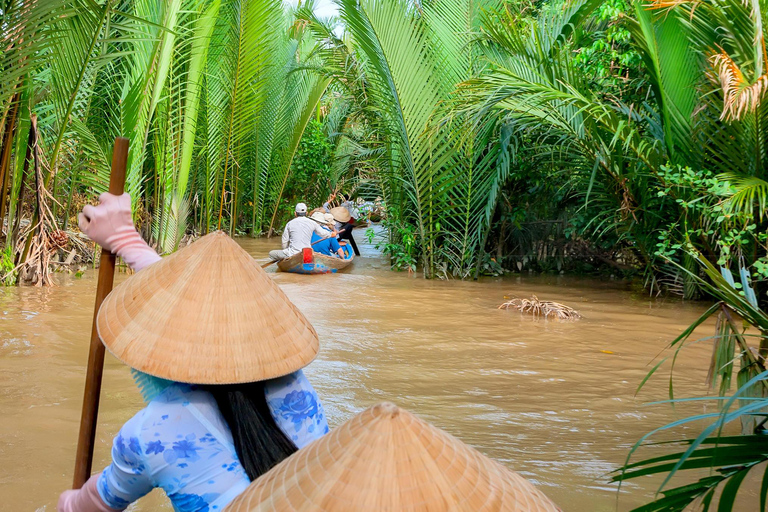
<point x="181" y="443"/>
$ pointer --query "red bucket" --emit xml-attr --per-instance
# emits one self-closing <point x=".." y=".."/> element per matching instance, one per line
<point x="309" y="255"/>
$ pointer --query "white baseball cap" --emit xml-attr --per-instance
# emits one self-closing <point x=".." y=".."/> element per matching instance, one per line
<point x="301" y="208"/>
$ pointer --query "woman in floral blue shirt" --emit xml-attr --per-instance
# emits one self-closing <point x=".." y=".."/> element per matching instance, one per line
<point x="181" y="443"/>
<point x="201" y="442"/>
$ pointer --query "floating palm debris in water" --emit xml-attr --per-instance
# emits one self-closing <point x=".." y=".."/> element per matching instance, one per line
<point x="544" y="308"/>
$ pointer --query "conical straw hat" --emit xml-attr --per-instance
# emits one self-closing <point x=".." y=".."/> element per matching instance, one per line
<point x="386" y="459"/>
<point x="319" y="218"/>
<point x="207" y="314"/>
<point x="341" y="214"/>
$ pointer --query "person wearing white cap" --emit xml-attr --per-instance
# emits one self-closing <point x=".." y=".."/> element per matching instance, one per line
<point x="298" y="234"/>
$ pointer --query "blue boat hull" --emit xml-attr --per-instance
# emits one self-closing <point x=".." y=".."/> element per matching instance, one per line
<point x="319" y="264"/>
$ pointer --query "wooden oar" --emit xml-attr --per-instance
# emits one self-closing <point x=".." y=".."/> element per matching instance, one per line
<point x="270" y="263"/>
<point x="95" y="370"/>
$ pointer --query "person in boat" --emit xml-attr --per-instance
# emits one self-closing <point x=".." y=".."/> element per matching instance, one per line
<point x="218" y="416"/>
<point x="343" y="243"/>
<point x="346" y="202"/>
<point x="344" y="220"/>
<point x="330" y="245"/>
<point x="345" y="223"/>
<point x="298" y="234"/>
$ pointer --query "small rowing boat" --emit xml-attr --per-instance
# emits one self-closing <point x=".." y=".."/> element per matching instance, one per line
<point x="311" y="262"/>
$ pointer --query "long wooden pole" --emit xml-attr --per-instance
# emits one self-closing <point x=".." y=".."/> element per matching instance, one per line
<point x="95" y="370"/>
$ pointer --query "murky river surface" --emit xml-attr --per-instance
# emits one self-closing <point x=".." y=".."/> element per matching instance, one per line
<point x="542" y="397"/>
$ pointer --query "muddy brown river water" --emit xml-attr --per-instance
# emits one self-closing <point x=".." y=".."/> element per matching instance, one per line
<point x="554" y="401"/>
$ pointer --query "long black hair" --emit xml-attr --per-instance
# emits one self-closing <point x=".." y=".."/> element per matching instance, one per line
<point x="259" y="442"/>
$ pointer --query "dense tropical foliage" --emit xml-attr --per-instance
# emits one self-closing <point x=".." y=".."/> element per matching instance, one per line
<point x="499" y="135"/>
<point x="210" y="94"/>
<point x="740" y="344"/>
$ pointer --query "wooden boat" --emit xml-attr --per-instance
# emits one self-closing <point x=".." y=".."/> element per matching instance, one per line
<point x="311" y="262"/>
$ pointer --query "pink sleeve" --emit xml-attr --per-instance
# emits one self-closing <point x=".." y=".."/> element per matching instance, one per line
<point x="110" y="225"/>
<point x="85" y="499"/>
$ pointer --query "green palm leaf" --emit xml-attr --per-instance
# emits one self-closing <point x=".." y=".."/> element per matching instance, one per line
<point x="750" y="195"/>
<point x="664" y="40"/>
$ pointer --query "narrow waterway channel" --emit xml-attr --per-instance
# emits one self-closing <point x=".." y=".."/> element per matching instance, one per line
<point x="553" y="401"/>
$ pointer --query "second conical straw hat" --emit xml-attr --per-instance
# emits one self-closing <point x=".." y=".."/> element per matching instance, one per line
<point x="386" y="459"/>
<point x="341" y="214"/>
<point x="207" y="314"/>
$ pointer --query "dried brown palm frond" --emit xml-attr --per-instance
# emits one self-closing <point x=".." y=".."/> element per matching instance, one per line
<point x="739" y="96"/>
<point x="544" y="308"/>
<point x="670" y="4"/>
<point x="188" y="239"/>
<point x="42" y="238"/>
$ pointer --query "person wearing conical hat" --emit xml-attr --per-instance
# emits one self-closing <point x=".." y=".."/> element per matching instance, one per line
<point x="217" y="351"/>
<point x="385" y="459"/>
<point x="345" y="222"/>
<point x="328" y="246"/>
<point x="297" y="234"/>
<point x="346" y="202"/>
<point x="331" y="221"/>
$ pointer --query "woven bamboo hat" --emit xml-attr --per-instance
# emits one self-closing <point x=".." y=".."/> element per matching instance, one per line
<point x="386" y="459"/>
<point x="207" y="314"/>
<point x="341" y="214"/>
<point x="319" y="218"/>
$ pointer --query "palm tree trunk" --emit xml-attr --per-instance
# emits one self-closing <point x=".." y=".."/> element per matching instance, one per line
<point x="68" y="206"/>
<point x="13" y="234"/>
<point x="5" y="157"/>
<point x="31" y="154"/>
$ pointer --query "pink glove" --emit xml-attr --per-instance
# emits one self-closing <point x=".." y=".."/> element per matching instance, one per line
<point x="110" y="225"/>
<point x="86" y="499"/>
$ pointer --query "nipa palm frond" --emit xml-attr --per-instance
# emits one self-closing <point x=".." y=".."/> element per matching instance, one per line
<point x="739" y="95"/>
<point x="750" y="193"/>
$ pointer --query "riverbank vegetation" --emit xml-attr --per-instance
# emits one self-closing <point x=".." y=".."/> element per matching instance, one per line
<point x="739" y="350"/>
<point x="500" y="136"/>
<point x="543" y="136"/>
<point x="210" y="95"/>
